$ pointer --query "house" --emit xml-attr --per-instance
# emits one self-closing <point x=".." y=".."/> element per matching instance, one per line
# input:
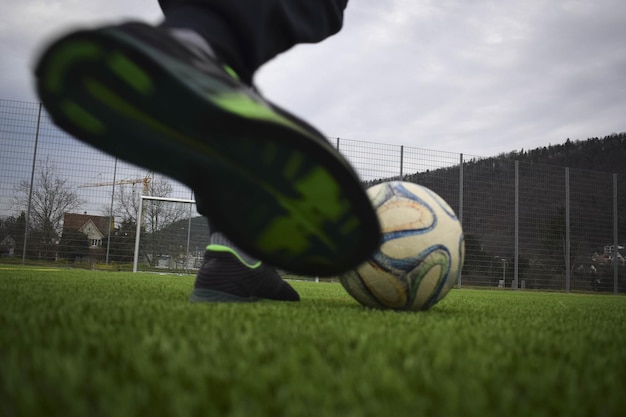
<point x="609" y="254"/>
<point x="7" y="247"/>
<point x="94" y="227"/>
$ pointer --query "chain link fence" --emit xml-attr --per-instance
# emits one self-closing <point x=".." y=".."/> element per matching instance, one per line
<point x="527" y="226"/>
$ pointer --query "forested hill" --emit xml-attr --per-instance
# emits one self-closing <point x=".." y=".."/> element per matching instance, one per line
<point x="604" y="155"/>
<point x="607" y="154"/>
<point x="489" y="193"/>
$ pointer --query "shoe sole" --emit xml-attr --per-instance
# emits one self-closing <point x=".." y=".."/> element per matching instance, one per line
<point x="275" y="189"/>
<point x="202" y="295"/>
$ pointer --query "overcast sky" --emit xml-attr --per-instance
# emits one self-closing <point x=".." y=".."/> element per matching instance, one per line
<point x="480" y="77"/>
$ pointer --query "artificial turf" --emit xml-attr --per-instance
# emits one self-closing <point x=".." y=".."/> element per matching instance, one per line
<point x="89" y="343"/>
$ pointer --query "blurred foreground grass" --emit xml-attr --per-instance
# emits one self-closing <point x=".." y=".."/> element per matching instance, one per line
<point x="89" y="343"/>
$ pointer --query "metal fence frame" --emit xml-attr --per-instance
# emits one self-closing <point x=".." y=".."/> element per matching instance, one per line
<point x="509" y="192"/>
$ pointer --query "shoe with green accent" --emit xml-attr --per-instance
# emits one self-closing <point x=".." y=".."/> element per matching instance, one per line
<point x="225" y="277"/>
<point x="271" y="182"/>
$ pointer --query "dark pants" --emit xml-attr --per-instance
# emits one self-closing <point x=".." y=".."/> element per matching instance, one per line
<point x="246" y="34"/>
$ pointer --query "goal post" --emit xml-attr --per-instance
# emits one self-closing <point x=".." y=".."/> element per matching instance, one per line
<point x="164" y="234"/>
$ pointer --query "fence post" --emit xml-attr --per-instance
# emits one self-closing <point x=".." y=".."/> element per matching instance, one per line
<point x="106" y="261"/>
<point x="615" y="243"/>
<point x="516" y="243"/>
<point x="460" y="214"/>
<point x="567" y="233"/>
<point x="32" y="181"/>
<point x="401" y="162"/>
<point x="186" y="260"/>
<point x="137" y="235"/>
<point x="337" y="144"/>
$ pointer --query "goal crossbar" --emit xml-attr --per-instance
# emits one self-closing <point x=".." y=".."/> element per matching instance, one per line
<point x="138" y="232"/>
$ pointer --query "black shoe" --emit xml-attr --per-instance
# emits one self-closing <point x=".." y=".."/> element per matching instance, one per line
<point x="225" y="277"/>
<point x="277" y="188"/>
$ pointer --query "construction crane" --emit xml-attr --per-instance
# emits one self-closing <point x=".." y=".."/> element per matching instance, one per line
<point x="145" y="181"/>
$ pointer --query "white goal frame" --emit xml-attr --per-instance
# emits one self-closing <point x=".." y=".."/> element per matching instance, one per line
<point x="138" y="232"/>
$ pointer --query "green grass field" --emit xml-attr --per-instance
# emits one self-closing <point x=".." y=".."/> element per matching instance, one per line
<point x="88" y="343"/>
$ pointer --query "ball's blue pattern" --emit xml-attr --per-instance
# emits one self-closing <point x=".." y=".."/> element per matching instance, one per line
<point x="397" y="189"/>
<point x="405" y="265"/>
<point x="442" y="204"/>
<point x="410" y="271"/>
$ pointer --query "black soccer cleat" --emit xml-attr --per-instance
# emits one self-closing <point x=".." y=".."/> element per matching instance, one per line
<point x="274" y="185"/>
<point x="225" y="277"/>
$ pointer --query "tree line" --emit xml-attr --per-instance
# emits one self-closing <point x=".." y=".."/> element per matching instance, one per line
<point x="488" y="210"/>
<point x="52" y="197"/>
<point x="40" y="212"/>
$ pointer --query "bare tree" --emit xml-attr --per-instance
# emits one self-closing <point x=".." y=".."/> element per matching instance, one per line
<point x="51" y="199"/>
<point x="156" y="214"/>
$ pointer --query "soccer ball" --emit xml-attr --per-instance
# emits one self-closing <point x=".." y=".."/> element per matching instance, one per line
<point x="421" y="253"/>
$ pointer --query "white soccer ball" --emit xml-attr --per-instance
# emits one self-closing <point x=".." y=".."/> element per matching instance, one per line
<point x="421" y="253"/>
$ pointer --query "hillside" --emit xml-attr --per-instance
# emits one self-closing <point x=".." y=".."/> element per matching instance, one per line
<point x="607" y="154"/>
<point x="488" y="210"/>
